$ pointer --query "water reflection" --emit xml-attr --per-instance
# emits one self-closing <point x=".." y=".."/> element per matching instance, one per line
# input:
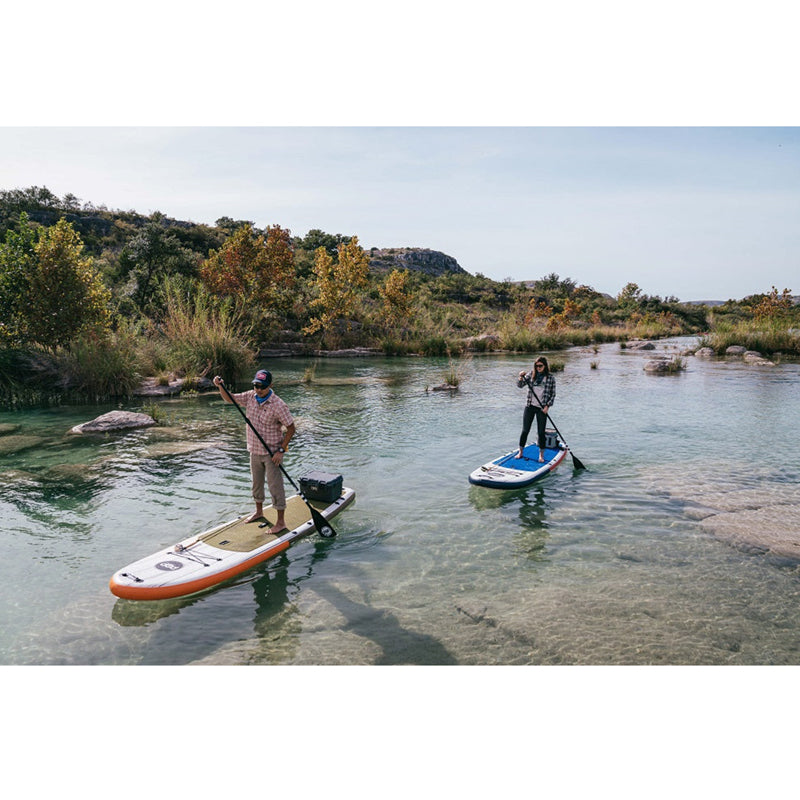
<point x="531" y="509"/>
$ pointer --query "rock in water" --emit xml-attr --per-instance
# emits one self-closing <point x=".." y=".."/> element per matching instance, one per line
<point x="115" y="421"/>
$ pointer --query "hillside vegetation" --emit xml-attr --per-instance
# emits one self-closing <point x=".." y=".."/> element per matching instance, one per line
<point x="92" y="300"/>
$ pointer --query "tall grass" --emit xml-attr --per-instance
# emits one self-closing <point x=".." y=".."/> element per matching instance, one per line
<point x="203" y="334"/>
<point x="102" y="367"/>
<point x="767" y="337"/>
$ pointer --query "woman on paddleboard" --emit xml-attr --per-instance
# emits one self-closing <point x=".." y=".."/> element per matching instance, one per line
<point x="541" y="395"/>
<point x="272" y="419"/>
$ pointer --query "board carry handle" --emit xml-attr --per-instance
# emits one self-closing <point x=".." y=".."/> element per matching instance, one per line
<point x="322" y="525"/>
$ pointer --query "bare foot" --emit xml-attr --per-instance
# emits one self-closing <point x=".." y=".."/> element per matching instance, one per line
<point x="276" y="530"/>
<point x="256" y="515"/>
<point x="519" y="455"/>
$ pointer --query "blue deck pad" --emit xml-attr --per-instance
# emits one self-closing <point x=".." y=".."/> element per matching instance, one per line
<point x="530" y="459"/>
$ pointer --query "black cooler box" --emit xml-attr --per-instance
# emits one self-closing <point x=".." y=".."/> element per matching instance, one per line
<point x="323" y="486"/>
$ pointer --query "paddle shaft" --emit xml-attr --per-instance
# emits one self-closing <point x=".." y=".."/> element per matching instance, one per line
<point x="578" y="464"/>
<point x="320" y="523"/>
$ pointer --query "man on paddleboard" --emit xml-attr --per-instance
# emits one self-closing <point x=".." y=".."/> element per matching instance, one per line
<point x="272" y="419"/>
<point x="541" y="395"/>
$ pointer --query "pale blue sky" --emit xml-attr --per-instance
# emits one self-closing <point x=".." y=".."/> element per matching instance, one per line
<point x="699" y="213"/>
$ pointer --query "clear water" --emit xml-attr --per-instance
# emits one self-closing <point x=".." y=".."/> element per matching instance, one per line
<point x="629" y="562"/>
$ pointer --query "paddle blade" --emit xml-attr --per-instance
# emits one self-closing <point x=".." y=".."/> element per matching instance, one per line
<point x="324" y="528"/>
<point x="576" y="462"/>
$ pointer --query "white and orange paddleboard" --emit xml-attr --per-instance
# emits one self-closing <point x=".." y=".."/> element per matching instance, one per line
<point x="206" y="560"/>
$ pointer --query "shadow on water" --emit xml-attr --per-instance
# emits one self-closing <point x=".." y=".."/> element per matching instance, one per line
<point x="399" y="645"/>
<point x="531" y="507"/>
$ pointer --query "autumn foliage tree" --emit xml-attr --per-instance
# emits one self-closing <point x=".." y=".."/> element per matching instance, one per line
<point x="337" y="285"/>
<point x="255" y="269"/>
<point x="773" y="305"/>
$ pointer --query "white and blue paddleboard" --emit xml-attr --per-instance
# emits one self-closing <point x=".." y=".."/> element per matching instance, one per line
<point x="510" y="472"/>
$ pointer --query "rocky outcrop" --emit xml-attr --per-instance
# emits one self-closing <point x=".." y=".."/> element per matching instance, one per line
<point x="431" y="262"/>
<point x="115" y="421"/>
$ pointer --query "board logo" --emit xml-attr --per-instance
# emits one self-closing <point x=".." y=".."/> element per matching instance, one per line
<point x="169" y="566"/>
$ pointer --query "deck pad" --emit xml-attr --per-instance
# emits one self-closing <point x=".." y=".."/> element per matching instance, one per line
<point x="243" y="536"/>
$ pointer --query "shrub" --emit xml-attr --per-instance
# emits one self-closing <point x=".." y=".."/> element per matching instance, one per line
<point x="101" y="366"/>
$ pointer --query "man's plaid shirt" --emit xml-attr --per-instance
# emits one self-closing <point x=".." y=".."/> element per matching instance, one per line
<point x="268" y="418"/>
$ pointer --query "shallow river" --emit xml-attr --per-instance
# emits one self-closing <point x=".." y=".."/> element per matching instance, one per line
<point x="641" y="559"/>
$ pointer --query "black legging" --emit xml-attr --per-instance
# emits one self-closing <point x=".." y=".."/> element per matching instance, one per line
<point x="527" y="421"/>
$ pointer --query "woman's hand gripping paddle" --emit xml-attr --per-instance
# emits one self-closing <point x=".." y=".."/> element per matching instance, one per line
<point x="323" y="526"/>
<point x="576" y="462"/>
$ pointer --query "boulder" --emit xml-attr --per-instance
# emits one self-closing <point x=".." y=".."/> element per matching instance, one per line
<point x="639" y="345"/>
<point x="735" y="350"/>
<point x="115" y="421"/>
<point x="705" y="352"/>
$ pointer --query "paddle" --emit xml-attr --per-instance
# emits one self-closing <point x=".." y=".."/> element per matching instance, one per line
<point x="576" y="462"/>
<point x="320" y="523"/>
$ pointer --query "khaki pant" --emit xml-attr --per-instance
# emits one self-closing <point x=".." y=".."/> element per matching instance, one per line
<point x="261" y="466"/>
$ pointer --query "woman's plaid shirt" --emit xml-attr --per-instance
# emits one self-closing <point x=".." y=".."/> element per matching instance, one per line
<point x="546" y="391"/>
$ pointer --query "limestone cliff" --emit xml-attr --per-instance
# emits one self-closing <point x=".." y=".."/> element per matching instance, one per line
<point x="431" y="262"/>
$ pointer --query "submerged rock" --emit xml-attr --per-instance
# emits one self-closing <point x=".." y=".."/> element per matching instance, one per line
<point x="754" y="357"/>
<point x="115" y="421"/>
<point x="14" y="443"/>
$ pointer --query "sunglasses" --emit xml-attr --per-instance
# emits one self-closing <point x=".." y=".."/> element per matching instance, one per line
<point x="539" y="366"/>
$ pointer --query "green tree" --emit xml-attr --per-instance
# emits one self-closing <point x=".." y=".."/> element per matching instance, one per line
<point x="17" y="259"/>
<point x="66" y="297"/>
<point x="630" y="297"/>
<point x="150" y="256"/>
<point x="316" y="238"/>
